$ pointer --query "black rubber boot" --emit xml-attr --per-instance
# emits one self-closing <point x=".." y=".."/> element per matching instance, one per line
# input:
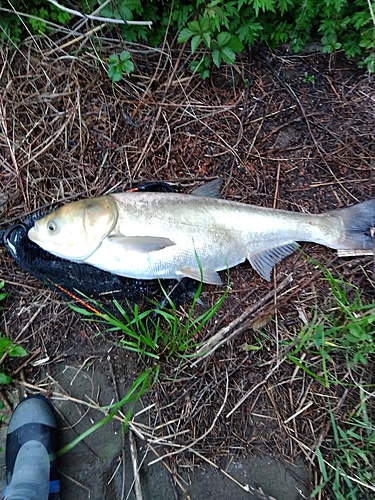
<point x="32" y="441"/>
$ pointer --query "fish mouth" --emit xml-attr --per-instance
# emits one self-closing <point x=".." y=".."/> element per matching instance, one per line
<point x="33" y="234"/>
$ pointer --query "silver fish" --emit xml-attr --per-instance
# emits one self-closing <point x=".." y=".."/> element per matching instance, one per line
<point x="147" y="235"/>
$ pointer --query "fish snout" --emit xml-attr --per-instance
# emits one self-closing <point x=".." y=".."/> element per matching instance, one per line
<point x="33" y="234"/>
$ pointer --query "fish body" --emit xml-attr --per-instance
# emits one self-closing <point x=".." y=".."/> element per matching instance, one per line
<point x="147" y="235"/>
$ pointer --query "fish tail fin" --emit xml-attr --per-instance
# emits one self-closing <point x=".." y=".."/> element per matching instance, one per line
<point x="357" y="221"/>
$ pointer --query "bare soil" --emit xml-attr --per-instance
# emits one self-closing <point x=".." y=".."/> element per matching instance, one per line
<point x="237" y="423"/>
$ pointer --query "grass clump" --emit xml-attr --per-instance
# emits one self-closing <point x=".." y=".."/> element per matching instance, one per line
<point x="341" y="338"/>
<point x="351" y="469"/>
<point x="345" y="331"/>
<point x="158" y="333"/>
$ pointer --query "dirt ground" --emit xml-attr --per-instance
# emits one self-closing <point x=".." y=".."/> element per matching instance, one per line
<point x="293" y="132"/>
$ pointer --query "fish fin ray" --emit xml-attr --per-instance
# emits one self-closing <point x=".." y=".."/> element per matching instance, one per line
<point x="141" y="244"/>
<point x="209" y="276"/>
<point x="264" y="261"/>
<point x="209" y="190"/>
<point x="357" y="221"/>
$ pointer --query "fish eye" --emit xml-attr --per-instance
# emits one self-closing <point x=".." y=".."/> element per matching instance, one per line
<point x="51" y="226"/>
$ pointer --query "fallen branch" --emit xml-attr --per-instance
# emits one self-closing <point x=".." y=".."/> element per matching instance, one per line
<point x="98" y="18"/>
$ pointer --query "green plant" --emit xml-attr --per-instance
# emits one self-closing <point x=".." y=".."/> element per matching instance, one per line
<point x="349" y="473"/>
<point x="330" y="43"/>
<point x="345" y="330"/>
<point x="119" y="64"/>
<point x="39" y="14"/>
<point x="342" y="24"/>
<point x="7" y="346"/>
<point x="222" y="46"/>
<point x="308" y="78"/>
<point x="45" y="12"/>
<point x="127" y="10"/>
<point x="220" y="28"/>
<point x="157" y="333"/>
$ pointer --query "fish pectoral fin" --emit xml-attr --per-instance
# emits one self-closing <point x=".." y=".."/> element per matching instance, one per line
<point x="206" y="275"/>
<point x="264" y="261"/>
<point x="141" y="244"/>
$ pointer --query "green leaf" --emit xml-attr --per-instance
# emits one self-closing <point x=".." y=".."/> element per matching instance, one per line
<point x="204" y="25"/>
<point x="196" y="65"/>
<point x="367" y="42"/>
<point x="181" y="15"/>
<point x="194" y="27"/>
<point x="119" y="65"/>
<point x="216" y="57"/>
<point x="264" y="5"/>
<point x="127" y="67"/>
<point x="4" y="344"/>
<point x="16" y="351"/>
<point x="235" y="44"/>
<point x="202" y="67"/>
<point x="360" y="18"/>
<point x="284" y="5"/>
<point x="4" y="379"/>
<point x="63" y="17"/>
<point x="123" y="9"/>
<point x="223" y="38"/>
<point x="370" y="63"/>
<point x="125" y="12"/>
<point x="322" y="464"/>
<point x="205" y="74"/>
<point x="228" y="55"/>
<point x="80" y="310"/>
<point x="185" y="35"/>
<point x="195" y="41"/>
<point x="113" y="58"/>
<point x="207" y="39"/>
<point x="248" y="32"/>
<point x="125" y="55"/>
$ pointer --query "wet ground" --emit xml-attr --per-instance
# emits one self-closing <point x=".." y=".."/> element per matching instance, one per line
<point x="101" y="466"/>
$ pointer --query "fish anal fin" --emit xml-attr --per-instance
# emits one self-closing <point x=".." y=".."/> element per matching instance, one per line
<point x="264" y="261"/>
<point x="209" y="276"/>
<point x="141" y="244"/>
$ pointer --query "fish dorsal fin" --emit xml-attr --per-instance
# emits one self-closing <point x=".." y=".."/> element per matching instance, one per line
<point x="141" y="244"/>
<point x="264" y="261"/>
<point x="209" y="276"/>
<point x="209" y="190"/>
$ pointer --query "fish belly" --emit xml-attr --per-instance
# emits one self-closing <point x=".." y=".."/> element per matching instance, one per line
<point x="191" y="252"/>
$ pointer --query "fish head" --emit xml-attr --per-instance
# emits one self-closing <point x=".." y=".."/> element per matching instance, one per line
<point x="74" y="231"/>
